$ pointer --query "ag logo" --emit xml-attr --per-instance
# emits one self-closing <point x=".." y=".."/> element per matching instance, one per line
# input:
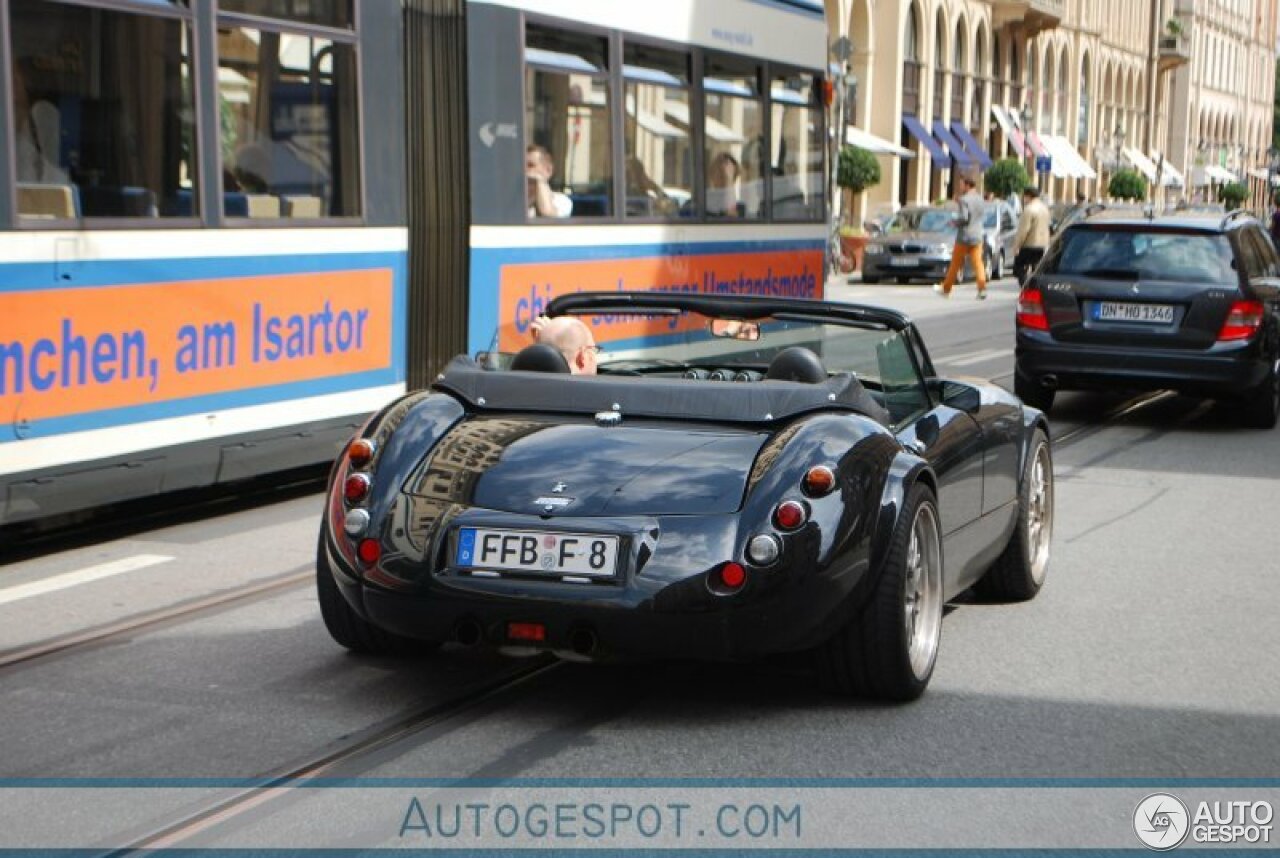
<point x="1161" y="821"/>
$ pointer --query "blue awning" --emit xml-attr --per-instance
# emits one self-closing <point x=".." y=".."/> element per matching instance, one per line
<point x="917" y="130"/>
<point x="974" y="147"/>
<point x="962" y="158"/>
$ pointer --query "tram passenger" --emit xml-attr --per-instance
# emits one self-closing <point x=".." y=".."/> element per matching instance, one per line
<point x="722" y="188"/>
<point x="543" y="201"/>
<point x="37" y="132"/>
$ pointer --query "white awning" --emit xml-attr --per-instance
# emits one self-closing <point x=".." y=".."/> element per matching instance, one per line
<point x="876" y="145"/>
<point x="1142" y="162"/>
<point x="716" y="129"/>
<point x="1072" y="165"/>
<point x="1219" y="174"/>
<point x="1171" y="176"/>
<point x="1259" y="173"/>
<point x="653" y="123"/>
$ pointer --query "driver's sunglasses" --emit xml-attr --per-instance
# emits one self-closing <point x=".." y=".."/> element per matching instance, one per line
<point x="594" y="349"/>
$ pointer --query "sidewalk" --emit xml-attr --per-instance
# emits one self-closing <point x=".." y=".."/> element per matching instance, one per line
<point x="918" y="300"/>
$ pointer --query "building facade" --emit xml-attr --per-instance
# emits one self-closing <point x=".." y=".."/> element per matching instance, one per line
<point x="1180" y="90"/>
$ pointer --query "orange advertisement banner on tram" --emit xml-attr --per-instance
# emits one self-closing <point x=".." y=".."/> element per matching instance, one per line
<point x="75" y="351"/>
<point x="526" y="288"/>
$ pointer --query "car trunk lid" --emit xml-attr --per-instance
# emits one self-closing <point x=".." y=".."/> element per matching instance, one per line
<point x="571" y="467"/>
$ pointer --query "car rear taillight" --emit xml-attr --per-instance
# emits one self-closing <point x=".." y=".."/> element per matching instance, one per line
<point x="360" y="452"/>
<point x="818" y="481"/>
<point x="369" y="551"/>
<point x="790" y="515"/>
<point x="1244" y="320"/>
<point x="732" y="576"/>
<point x="356" y="488"/>
<point x="1031" y="310"/>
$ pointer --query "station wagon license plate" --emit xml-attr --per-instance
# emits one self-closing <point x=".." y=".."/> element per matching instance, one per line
<point x="537" y="552"/>
<point x="1152" y="314"/>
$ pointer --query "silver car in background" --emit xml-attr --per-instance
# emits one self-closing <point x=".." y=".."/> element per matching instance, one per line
<point x="916" y="245"/>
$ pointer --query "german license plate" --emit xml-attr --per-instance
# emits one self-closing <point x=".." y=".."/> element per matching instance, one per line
<point x="537" y="552"/>
<point x="904" y="262"/>
<point x="1152" y="314"/>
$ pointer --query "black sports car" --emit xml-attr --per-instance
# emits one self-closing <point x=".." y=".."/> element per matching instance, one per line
<point x="745" y="476"/>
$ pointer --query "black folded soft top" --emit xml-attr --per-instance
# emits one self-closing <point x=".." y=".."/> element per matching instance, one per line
<point x="646" y="396"/>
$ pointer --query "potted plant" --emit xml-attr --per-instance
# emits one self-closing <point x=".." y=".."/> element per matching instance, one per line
<point x="1233" y="194"/>
<point x="1127" y="185"/>
<point x="1173" y="27"/>
<point x="856" y="170"/>
<point x="1006" y="178"/>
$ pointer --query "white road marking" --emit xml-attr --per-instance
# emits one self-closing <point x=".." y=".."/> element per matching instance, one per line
<point x="975" y="357"/>
<point x="81" y="576"/>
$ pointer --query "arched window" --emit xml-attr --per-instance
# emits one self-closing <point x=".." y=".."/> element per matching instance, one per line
<point x="1082" y="119"/>
<point x="911" y="39"/>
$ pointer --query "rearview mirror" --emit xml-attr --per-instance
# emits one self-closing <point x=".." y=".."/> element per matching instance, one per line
<point x="735" y="329"/>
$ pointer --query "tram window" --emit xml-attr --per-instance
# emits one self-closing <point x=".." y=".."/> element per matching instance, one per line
<point x="569" y="152"/>
<point x="287" y="105"/>
<point x="796" y="150"/>
<point x="326" y="13"/>
<point x="733" y="133"/>
<point x="102" y="113"/>
<point x="659" y="150"/>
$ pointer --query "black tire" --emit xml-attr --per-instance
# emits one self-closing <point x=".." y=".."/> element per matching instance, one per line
<point x="1035" y="395"/>
<point x="870" y="656"/>
<point x="903" y="281"/>
<point x="350" y="629"/>
<point x="1263" y="408"/>
<point x="1019" y="572"/>
<point x="871" y="281"/>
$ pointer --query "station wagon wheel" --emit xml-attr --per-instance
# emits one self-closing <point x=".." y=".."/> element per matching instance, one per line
<point x="888" y="651"/>
<point x="1261" y="411"/>
<point x="1019" y="572"/>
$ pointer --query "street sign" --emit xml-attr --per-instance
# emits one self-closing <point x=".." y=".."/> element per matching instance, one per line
<point x="1044" y="164"/>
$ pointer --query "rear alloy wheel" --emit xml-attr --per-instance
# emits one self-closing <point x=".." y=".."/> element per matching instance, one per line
<point x="350" y="629"/>
<point x="888" y="651"/>
<point x="986" y="265"/>
<point x="1036" y="395"/>
<point x="1018" y="573"/>
<point x="1262" y="410"/>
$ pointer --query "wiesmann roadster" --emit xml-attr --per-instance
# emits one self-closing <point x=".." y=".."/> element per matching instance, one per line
<point x="744" y="476"/>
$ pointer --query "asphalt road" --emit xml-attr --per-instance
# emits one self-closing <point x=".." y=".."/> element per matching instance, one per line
<point x="1150" y="651"/>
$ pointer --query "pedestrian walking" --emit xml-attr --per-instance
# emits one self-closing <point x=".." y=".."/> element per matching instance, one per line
<point x="1033" y="234"/>
<point x="970" y="238"/>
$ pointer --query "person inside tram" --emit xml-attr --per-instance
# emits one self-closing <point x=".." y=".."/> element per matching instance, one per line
<point x="542" y="200"/>
<point x="37" y="133"/>
<point x="645" y="197"/>
<point x="722" y="186"/>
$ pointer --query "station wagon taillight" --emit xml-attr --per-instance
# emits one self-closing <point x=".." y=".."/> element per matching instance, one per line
<point x="1242" y="322"/>
<point x="1031" y="309"/>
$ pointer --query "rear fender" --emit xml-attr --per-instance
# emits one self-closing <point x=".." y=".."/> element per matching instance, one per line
<point x="906" y="470"/>
<point x="403" y="432"/>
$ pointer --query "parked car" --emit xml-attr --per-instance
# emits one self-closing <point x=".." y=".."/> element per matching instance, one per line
<point x="766" y="476"/>
<point x="916" y="244"/>
<point x="1189" y="302"/>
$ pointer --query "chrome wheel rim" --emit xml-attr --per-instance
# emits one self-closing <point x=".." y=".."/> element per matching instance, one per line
<point x="1040" y="513"/>
<point x="922" y="591"/>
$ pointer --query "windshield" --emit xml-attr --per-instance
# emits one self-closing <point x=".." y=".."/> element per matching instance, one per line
<point x="921" y="220"/>
<point x="1143" y="254"/>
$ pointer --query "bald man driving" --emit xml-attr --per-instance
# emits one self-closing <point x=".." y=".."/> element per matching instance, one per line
<point x="573" y="339"/>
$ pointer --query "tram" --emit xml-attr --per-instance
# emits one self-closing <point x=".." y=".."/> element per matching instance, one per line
<point x="230" y="230"/>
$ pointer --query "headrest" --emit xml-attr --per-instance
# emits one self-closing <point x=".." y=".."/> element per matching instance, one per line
<point x="540" y="357"/>
<point x="797" y="364"/>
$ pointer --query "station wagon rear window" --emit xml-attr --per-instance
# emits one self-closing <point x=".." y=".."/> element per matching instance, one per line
<point x="1138" y="254"/>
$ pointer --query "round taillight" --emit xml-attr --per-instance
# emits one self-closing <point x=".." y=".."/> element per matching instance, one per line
<point x="819" y="481"/>
<point x="356" y="488"/>
<point x="355" y="522"/>
<point x="360" y="452"/>
<point x="732" y="576"/>
<point x="790" y="515"/>
<point x="369" y="550"/>
<point x="763" y="550"/>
